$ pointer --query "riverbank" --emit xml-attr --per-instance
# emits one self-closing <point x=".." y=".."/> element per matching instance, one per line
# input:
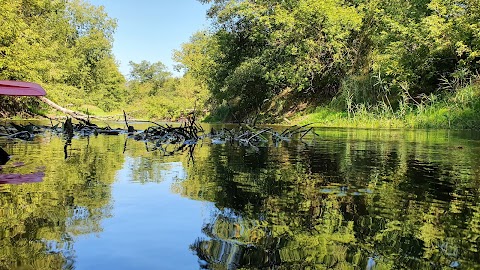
<point x="460" y="110"/>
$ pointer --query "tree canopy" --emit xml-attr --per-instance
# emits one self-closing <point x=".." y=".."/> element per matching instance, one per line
<point x="259" y="57"/>
<point x="364" y="51"/>
<point x="153" y="92"/>
<point x="64" y="45"/>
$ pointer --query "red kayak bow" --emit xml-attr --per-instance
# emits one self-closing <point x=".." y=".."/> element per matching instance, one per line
<point x="17" y="88"/>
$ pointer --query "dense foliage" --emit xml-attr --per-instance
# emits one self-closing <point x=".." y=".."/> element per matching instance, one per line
<point x="66" y="46"/>
<point x="261" y="59"/>
<point x="63" y="45"/>
<point x="277" y="55"/>
<point x="153" y="93"/>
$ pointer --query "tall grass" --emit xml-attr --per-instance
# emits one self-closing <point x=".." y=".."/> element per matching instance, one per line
<point x="458" y="109"/>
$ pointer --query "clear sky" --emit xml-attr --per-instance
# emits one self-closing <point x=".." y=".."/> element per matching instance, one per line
<point x="151" y="29"/>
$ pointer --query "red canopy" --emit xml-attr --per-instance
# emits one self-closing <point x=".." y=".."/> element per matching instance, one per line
<point x="17" y="88"/>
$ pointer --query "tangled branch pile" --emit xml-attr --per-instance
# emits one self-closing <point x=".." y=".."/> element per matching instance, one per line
<point x="165" y="138"/>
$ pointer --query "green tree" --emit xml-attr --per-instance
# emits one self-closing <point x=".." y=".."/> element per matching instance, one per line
<point x="63" y="45"/>
<point x="363" y="53"/>
<point x="145" y="71"/>
<point x="261" y="48"/>
<point x="154" y="93"/>
<point x="146" y="79"/>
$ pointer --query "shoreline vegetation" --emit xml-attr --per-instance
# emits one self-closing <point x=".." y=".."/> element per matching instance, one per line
<point x="363" y="63"/>
<point x="455" y="111"/>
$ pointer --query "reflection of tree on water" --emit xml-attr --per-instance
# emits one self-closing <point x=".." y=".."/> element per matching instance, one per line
<point x="236" y="242"/>
<point x="371" y="205"/>
<point x="39" y="222"/>
<point x="278" y="241"/>
<point x="267" y="217"/>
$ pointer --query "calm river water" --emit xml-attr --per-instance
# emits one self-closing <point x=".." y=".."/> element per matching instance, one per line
<point x="347" y="199"/>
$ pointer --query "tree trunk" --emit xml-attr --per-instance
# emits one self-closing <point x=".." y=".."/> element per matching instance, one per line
<point x="77" y="115"/>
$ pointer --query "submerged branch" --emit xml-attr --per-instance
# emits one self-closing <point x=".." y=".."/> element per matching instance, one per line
<point x="165" y="138"/>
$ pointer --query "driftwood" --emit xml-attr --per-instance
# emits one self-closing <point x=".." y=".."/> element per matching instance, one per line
<point x="164" y="138"/>
<point x="76" y="115"/>
<point x="254" y="137"/>
<point x="130" y="129"/>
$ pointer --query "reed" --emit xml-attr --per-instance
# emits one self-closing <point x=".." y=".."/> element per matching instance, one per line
<point x="455" y="110"/>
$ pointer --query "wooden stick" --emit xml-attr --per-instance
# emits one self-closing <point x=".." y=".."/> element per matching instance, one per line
<point x="79" y="116"/>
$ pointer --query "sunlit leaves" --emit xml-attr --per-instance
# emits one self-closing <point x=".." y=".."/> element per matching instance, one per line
<point x="259" y="48"/>
<point x="313" y="46"/>
<point x="154" y="93"/>
<point x="56" y="43"/>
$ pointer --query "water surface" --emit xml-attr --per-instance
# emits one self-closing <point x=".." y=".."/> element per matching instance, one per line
<point x="347" y="199"/>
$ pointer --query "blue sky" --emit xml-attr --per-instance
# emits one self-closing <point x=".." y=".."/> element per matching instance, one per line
<point x="151" y="29"/>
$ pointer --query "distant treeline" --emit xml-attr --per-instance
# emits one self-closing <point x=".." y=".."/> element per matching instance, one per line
<point x="272" y="57"/>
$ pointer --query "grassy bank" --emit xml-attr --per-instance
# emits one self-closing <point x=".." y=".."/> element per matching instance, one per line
<point x="459" y="110"/>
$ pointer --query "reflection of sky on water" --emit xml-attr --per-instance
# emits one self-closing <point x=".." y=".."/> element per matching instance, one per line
<point x="147" y="230"/>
